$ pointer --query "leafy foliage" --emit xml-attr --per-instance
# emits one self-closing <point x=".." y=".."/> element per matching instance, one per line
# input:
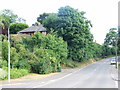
<point x="49" y="49"/>
<point x="71" y="24"/>
<point x="69" y="41"/>
<point x="7" y="17"/>
<point x="15" y="27"/>
<point x="111" y="37"/>
<point x="11" y="16"/>
<point x="39" y="53"/>
<point x="5" y="50"/>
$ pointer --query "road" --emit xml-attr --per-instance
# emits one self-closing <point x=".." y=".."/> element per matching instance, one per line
<point x="96" y="75"/>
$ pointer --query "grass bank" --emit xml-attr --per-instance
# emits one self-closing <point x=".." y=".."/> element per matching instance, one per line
<point x="73" y="64"/>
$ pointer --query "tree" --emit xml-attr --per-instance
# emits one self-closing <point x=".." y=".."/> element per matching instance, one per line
<point x="12" y="17"/>
<point x="7" y="17"/>
<point x="111" y="37"/>
<point x="42" y="17"/>
<point x="71" y="24"/>
<point x="106" y="51"/>
<point x="110" y="42"/>
<point x="4" y="23"/>
<point x="15" y="27"/>
<point x="51" y="21"/>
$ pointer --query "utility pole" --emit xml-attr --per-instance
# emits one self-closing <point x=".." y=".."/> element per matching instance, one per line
<point x="8" y="55"/>
<point x="116" y="50"/>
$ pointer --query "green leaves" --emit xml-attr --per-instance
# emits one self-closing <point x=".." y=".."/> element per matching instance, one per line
<point x="111" y="37"/>
<point x="15" y="27"/>
<point x="5" y="50"/>
<point x="49" y="51"/>
<point x="71" y="24"/>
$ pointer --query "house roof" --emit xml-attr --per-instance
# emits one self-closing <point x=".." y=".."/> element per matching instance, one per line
<point x="33" y="29"/>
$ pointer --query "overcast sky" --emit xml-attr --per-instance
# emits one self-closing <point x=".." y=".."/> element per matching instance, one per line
<point x="102" y="13"/>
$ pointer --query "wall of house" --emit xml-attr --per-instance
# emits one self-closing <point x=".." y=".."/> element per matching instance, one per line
<point x="32" y="33"/>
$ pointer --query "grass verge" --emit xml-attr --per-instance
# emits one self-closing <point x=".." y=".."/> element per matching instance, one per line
<point x="14" y="73"/>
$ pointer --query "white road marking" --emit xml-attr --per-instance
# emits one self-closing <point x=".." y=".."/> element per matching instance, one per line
<point x="53" y="80"/>
<point x="63" y="77"/>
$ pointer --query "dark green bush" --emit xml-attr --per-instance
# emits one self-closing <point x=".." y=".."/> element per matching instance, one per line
<point x="5" y="50"/>
<point x="49" y="50"/>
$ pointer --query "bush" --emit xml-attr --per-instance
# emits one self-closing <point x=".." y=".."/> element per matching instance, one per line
<point x="23" y="64"/>
<point x="3" y="63"/>
<point x="5" y="50"/>
<point x="39" y="53"/>
<point x="49" y="50"/>
<point x="43" y="65"/>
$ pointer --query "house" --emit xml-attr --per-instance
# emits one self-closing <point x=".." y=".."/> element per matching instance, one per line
<point x="34" y="28"/>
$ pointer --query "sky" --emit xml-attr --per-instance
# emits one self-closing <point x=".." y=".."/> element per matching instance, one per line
<point x="103" y="14"/>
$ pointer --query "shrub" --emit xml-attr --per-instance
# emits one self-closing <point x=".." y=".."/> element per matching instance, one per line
<point x="3" y="63"/>
<point x="43" y="66"/>
<point x="5" y="50"/>
<point x="23" y="64"/>
<point x="49" y="50"/>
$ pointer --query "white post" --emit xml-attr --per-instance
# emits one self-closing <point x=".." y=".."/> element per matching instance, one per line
<point x="8" y="55"/>
<point x="116" y="51"/>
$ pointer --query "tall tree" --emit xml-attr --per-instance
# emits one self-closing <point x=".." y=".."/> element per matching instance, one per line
<point x="111" y="37"/>
<point x="6" y="18"/>
<point x="42" y="17"/>
<point x="4" y="23"/>
<point x="12" y="17"/>
<point x="71" y="24"/>
<point x="110" y="42"/>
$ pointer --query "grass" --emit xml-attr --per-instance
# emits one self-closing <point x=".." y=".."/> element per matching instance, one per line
<point x="73" y="64"/>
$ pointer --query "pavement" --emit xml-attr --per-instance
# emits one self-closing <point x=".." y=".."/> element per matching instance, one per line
<point x="119" y="78"/>
<point x="114" y="73"/>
